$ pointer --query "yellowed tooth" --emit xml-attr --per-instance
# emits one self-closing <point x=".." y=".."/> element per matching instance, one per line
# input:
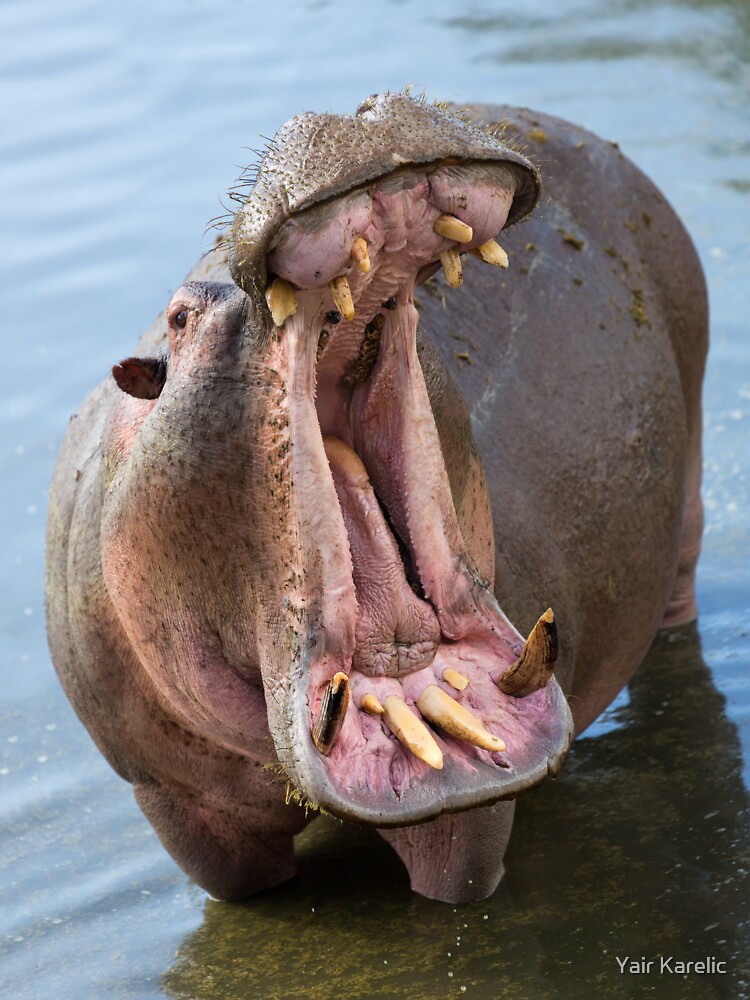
<point x="281" y="300"/>
<point x="445" y="712"/>
<point x="492" y="253"/>
<point x="411" y="731"/>
<point x="451" y="261"/>
<point x="536" y="664"/>
<point x="456" y="680"/>
<point x="370" y="704"/>
<point x="342" y="296"/>
<point x="452" y="228"/>
<point x="331" y="714"/>
<point x="359" y="254"/>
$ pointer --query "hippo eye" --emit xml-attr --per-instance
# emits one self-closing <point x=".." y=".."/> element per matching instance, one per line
<point x="180" y="320"/>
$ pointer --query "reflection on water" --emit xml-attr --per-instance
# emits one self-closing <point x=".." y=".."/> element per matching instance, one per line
<point x="616" y="32"/>
<point x="600" y="864"/>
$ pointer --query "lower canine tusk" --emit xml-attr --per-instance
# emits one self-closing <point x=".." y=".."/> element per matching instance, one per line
<point x="330" y="718"/>
<point x="456" y="720"/>
<point x="536" y="664"/>
<point x="281" y="300"/>
<point x="451" y="261"/>
<point x="342" y="296"/>
<point x="492" y="253"/>
<point x="411" y="731"/>
<point x="359" y="254"/>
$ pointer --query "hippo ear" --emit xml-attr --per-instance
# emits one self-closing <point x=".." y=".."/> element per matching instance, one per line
<point x="141" y="377"/>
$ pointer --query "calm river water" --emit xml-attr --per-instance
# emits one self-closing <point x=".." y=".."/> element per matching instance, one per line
<point x="121" y="126"/>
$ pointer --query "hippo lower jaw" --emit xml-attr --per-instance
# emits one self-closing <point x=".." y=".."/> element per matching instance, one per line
<point x="399" y="574"/>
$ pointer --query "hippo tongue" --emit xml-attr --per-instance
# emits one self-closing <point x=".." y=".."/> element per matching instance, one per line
<point x="394" y="433"/>
<point x="396" y="632"/>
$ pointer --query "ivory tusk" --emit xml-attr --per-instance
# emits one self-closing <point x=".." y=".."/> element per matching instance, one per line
<point x="411" y="731"/>
<point x="456" y="720"/>
<point x="536" y="664"/>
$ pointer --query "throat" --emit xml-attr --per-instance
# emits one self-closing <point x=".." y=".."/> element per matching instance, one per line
<point x="397" y="632"/>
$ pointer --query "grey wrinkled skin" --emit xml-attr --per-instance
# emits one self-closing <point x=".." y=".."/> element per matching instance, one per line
<point x="314" y="158"/>
<point x="576" y="377"/>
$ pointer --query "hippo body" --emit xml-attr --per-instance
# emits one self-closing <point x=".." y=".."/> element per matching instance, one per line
<point x="202" y="606"/>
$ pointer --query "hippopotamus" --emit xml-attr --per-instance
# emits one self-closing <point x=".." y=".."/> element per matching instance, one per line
<point x="390" y="502"/>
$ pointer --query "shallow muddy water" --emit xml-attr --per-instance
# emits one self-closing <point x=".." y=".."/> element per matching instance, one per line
<point x="122" y="126"/>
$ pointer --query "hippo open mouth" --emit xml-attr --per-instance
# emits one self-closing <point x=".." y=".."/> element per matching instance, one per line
<point x="410" y="693"/>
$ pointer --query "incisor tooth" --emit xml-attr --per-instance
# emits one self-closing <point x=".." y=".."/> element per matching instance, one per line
<point x="492" y="253"/>
<point x="370" y="704"/>
<point x="342" y="296"/>
<point x="452" y="228"/>
<point x="456" y="680"/>
<point x="438" y="706"/>
<point x="411" y="731"/>
<point x="360" y="255"/>
<point x="536" y="664"/>
<point x="451" y="261"/>
<point x="281" y="300"/>
<point x="333" y="707"/>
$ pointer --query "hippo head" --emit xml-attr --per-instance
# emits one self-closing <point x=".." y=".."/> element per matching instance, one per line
<point x="297" y="535"/>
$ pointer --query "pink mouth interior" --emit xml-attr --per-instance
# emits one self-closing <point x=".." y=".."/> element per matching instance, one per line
<point x="403" y="597"/>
